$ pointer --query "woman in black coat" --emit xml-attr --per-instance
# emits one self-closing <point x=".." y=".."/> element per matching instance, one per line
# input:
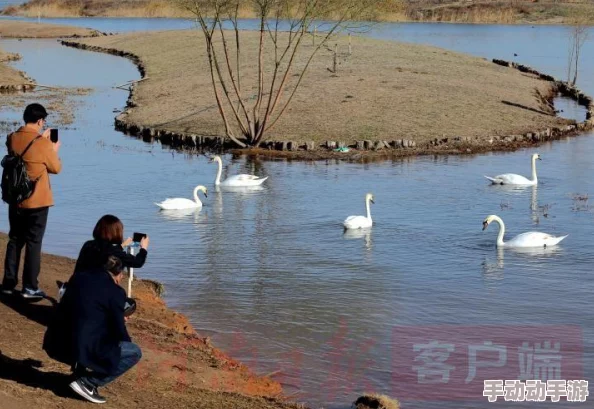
<point x="89" y="333"/>
<point x="108" y="240"/>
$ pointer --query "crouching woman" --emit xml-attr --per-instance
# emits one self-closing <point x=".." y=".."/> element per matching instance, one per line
<point x="89" y="330"/>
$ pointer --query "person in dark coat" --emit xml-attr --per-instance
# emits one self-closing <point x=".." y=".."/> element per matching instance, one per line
<point x="108" y="239"/>
<point x="89" y="331"/>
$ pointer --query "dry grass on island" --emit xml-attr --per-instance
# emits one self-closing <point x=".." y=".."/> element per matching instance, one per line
<point x="384" y="90"/>
<point x="179" y="369"/>
<point x="455" y="11"/>
<point x="22" y="29"/>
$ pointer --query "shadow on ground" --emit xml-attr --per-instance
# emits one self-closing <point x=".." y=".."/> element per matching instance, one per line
<point x="40" y="313"/>
<point x="26" y="372"/>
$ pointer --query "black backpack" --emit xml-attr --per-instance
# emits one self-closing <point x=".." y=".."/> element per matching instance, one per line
<point x="16" y="183"/>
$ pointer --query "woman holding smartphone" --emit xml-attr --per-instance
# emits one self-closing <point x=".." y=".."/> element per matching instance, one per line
<point x="108" y="240"/>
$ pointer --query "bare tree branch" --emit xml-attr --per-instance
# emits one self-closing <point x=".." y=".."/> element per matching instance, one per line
<point x="578" y="35"/>
<point x="282" y="26"/>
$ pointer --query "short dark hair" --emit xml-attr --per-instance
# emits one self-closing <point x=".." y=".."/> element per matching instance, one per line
<point x="113" y="265"/>
<point x="33" y="113"/>
<point x="109" y="228"/>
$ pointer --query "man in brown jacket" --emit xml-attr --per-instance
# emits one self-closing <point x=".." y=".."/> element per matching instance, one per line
<point x="28" y="218"/>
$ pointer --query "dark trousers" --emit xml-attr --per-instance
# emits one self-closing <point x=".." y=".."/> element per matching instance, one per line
<point x="27" y="227"/>
<point x="130" y="356"/>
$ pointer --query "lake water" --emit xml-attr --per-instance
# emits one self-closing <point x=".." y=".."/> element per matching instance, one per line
<point x="269" y="274"/>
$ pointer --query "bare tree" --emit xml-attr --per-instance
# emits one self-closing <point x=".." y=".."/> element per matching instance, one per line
<point x="282" y="58"/>
<point x="578" y="35"/>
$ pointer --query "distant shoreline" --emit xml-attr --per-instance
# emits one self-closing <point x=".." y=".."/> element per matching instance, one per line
<point x="187" y="18"/>
<point x="447" y="11"/>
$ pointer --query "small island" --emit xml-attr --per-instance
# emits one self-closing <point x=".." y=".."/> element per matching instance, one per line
<point x="381" y="94"/>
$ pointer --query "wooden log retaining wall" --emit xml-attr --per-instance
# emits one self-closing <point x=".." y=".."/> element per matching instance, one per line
<point x="16" y="88"/>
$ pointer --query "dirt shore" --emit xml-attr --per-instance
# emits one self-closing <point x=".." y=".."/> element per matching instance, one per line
<point x="457" y="11"/>
<point x="382" y="91"/>
<point x="179" y="368"/>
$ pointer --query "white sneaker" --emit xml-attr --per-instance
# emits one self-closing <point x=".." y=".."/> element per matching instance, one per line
<point x="83" y="389"/>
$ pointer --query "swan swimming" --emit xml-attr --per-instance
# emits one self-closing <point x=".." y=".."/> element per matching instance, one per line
<point x="529" y="239"/>
<point x="183" y="203"/>
<point x="513" y="179"/>
<point x="236" y="180"/>
<point x="360" y="222"/>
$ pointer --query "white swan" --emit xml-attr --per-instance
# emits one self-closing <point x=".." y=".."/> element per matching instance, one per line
<point x="236" y="180"/>
<point x="360" y="222"/>
<point x="529" y="239"/>
<point x="513" y="179"/>
<point x="183" y="203"/>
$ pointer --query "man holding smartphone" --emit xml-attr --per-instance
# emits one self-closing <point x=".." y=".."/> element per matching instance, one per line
<point x="28" y="218"/>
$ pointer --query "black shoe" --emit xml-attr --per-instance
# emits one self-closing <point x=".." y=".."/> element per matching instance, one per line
<point x="29" y="294"/>
<point x="86" y="391"/>
<point x="8" y="287"/>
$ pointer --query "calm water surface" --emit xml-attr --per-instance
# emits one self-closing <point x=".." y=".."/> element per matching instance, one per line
<point x="269" y="274"/>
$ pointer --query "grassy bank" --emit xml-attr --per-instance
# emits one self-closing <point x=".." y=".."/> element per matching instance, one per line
<point x="501" y="11"/>
<point x="456" y="11"/>
<point x="179" y="368"/>
<point x="383" y="91"/>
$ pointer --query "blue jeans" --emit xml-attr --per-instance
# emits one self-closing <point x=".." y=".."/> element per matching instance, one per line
<point x="131" y="354"/>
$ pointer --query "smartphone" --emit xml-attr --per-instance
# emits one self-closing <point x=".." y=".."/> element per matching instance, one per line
<point x="138" y="237"/>
<point x="54" y="135"/>
<point x="129" y="307"/>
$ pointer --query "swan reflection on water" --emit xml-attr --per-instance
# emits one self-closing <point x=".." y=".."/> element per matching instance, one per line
<point x="241" y="190"/>
<point x="493" y="269"/>
<point x="354" y="234"/>
<point x="535" y="210"/>
<point x="181" y="214"/>
<point x="513" y="189"/>
<point x="537" y="252"/>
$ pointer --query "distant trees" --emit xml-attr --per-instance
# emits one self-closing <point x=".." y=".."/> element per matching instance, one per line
<point x="250" y="111"/>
